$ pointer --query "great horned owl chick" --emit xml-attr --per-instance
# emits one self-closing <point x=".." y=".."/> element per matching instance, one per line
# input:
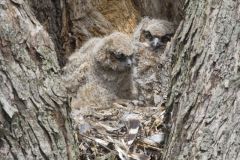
<point x="151" y="80"/>
<point x="100" y="71"/>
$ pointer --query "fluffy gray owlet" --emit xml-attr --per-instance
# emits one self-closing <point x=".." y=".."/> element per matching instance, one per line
<point x="150" y="79"/>
<point x="100" y="72"/>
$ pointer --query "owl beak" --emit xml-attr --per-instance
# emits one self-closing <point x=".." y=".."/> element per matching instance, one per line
<point x="156" y="43"/>
<point x="129" y="62"/>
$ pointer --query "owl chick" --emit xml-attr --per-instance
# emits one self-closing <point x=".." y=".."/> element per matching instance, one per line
<point x="100" y="72"/>
<point x="150" y="79"/>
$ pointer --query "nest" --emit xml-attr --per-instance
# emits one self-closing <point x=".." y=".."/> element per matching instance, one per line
<point x="126" y="131"/>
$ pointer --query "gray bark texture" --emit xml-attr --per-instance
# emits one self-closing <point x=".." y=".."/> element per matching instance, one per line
<point x="34" y="112"/>
<point x="205" y="96"/>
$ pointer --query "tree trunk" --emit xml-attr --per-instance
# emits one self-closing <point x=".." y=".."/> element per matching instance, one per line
<point x="205" y="97"/>
<point x="34" y="113"/>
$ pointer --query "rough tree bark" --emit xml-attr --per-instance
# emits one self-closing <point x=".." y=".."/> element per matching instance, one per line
<point x="205" y="94"/>
<point x="34" y="113"/>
